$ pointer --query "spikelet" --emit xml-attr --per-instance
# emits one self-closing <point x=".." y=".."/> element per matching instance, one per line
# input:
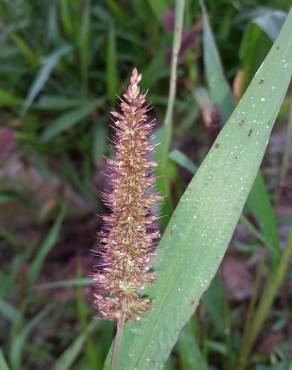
<point x="129" y="233"/>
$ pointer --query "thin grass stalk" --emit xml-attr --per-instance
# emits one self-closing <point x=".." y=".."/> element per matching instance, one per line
<point x="228" y="363"/>
<point x="168" y="121"/>
<point x="111" y="64"/>
<point x="242" y="359"/>
<point x="66" y="17"/>
<point x="266" y="302"/>
<point x="285" y="160"/>
<point x="84" y="45"/>
<point x="253" y="231"/>
<point x="272" y="288"/>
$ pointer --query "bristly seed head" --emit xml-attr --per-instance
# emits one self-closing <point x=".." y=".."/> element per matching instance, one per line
<point x="129" y="235"/>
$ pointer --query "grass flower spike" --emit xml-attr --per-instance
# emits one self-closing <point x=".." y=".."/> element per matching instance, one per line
<point x="128" y="239"/>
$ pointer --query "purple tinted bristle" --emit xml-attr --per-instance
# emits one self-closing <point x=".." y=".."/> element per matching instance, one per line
<point x="129" y="235"/>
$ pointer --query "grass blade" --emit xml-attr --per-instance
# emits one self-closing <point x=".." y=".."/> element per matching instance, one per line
<point x="254" y="232"/>
<point x="167" y="129"/>
<point x="68" y="120"/>
<point x="82" y="309"/>
<point x="18" y="343"/>
<point x="253" y="48"/>
<point x="43" y="76"/>
<point x="112" y="65"/>
<point x="3" y="363"/>
<point x="9" y="196"/>
<point x="158" y="7"/>
<point x="46" y="246"/>
<point x="8" y="100"/>
<point x="266" y="301"/>
<point x="218" y="86"/>
<point x="202" y="225"/>
<point x="76" y="180"/>
<point x="99" y="141"/>
<point x="24" y="49"/>
<point x="214" y="302"/>
<point x="55" y="103"/>
<point x="117" y="10"/>
<point x="155" y="70"/>
<point x="260" y="205"/>
<point x="84" y="44"/>
<point x="285" y="160"/>
<point x="69" y="356"/>
<point x="8" y="311"/>
<point x="189" y="351"/>
<point x="66" y="16"/>
<point x="53" y="33"/>
<point x="180" y="158"/>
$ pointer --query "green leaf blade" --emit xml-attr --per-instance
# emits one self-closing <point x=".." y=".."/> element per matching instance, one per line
<point x="9" y="312"/>
<point x="219" y="89"/>
<point x="46" y="246"/>
<point x="16" y="350"/>
<point x="180" y="158"/>
<point x="3" y="363"/>
<point x="260" y="205"/>
<point x="189" y="351"/>
<point x="112" y="75"/>
<point x="44" y="75"/>
<point x="68" y="120"/>
<point x="65" y="361"/>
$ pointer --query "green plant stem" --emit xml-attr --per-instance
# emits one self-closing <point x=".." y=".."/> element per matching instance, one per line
<point x="250" y="314"/>
<point x="266" y="302"/>
<point x="179" y="15"/>
<point x="229" y="361"/>
<point x="284" y="166"/>
<point x="120" y="326"/>
<point x="163" y="185"/>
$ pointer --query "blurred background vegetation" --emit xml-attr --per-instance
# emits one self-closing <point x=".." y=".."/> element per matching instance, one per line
<point x="62" y="65"/>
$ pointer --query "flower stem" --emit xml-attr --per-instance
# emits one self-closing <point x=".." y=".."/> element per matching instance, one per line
<point x="120" y="326"/>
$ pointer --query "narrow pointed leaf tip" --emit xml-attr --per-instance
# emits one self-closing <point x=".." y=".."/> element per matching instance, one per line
<point x="127" y="241"/>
